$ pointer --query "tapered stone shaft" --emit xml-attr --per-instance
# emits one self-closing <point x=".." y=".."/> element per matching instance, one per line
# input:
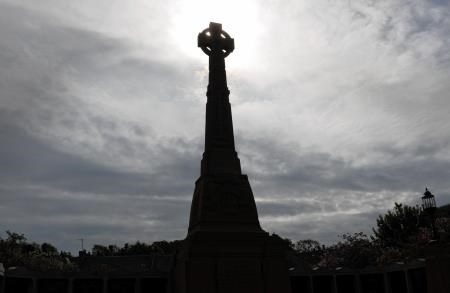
<point x="220" y="156"/>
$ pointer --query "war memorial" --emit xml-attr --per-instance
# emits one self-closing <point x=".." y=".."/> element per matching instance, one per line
<point x="226" y="250"/>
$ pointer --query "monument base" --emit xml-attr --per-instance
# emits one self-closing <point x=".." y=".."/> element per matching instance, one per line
<point x="225" y="262"/>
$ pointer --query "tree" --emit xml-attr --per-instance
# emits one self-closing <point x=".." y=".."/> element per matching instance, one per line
<point x="101" y="250"/>
<point x="400" y="226"/>
<point x="309" y="250"/>
<point x="13" y="249"/>
<point x="16" y="251"/>
<point x="307" y="246"/>
<point x="48" y="249"/>
<point x="166" y="247"/>
<point x="355" y="251"/>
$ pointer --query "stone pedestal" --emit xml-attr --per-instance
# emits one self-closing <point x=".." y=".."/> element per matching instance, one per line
<point x="226" y="250"/>
<point x="223" y="262"/>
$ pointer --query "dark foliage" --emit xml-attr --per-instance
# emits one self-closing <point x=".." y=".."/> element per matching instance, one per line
<point x="356" y="251"/>
<point x="138" y="248"/>
<point x="400" y="226"/>
<point x="16" y="251"/>
<point x="310" y="251"/>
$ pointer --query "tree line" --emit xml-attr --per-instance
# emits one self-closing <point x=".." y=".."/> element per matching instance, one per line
<point x="399" y="235"/>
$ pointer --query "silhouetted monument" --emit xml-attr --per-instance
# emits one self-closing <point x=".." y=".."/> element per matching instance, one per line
<point x="225" y="250"/>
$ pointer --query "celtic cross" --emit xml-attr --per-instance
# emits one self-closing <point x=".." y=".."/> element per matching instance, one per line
<point x="215" y="41"/>
<point x="220" y="156"/>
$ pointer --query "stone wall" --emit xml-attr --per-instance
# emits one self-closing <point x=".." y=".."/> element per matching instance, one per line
<point x="83" y="285"/>
<point x="408" y="280"/>
<point x="430" y="276"/>
<point x="412" y="280"/>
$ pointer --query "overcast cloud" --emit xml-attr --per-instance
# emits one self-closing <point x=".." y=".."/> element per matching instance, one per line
<point x="340" y="109"/>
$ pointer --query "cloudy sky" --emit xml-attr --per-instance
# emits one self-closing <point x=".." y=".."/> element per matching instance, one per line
<point x="340" y="109"/>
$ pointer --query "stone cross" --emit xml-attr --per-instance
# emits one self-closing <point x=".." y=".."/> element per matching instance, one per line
<point x="220" y="156"/>
<point x="215" y="41"/>
<point x="225" y="249"/>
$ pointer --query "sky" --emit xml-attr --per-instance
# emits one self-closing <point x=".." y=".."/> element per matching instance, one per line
<point x="340" y="109"/>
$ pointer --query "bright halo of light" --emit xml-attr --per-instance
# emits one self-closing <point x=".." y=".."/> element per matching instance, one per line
<point x="239" y="18"/>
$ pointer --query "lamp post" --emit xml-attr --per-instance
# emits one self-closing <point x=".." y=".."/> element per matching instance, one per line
<point x="429" y="206"/>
